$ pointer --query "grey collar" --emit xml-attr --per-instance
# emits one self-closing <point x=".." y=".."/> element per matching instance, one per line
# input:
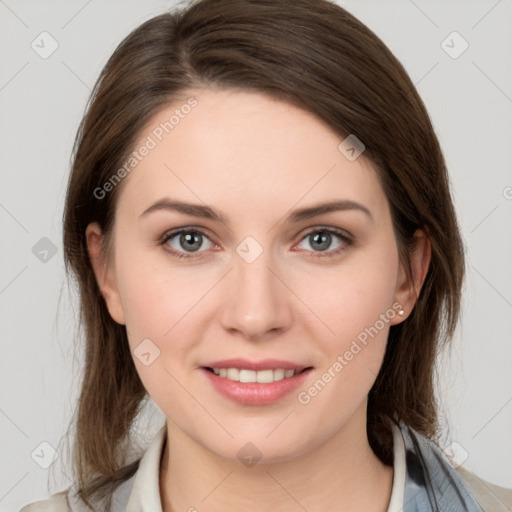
<point x="431" y="482"/>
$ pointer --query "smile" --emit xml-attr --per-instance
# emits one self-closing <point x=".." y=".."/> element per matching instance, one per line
<point x="255" y="382"/>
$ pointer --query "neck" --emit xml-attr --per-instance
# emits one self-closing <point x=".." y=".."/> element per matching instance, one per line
<point x="343" y="473"/>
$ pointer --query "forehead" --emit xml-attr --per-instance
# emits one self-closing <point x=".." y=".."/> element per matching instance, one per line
<point x="245" y="152"/>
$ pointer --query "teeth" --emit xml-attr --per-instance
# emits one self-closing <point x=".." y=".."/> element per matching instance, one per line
<point x="233" y="374"/>
<point x="279" y="374"/>
<point x="261" y="376"/>
<point x="247" y="376"/>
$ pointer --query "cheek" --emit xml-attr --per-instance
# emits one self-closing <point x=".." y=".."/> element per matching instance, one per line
<point x="352" y="298"/>
<point x="165" y="305"/>
<point x="153" y="294"/>
<point x="162" y="328"/>
<point x="355" y="302"/>
<point x="358" y="307"/>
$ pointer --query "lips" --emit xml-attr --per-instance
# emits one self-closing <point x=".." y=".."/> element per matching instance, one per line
<point x="255" y="382"/>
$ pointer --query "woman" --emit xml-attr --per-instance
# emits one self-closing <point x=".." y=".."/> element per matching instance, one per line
<point x="260" y="224"/>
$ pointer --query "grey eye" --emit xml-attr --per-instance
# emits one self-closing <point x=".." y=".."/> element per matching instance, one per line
<point x="188" y="241"/>
<point x="321" y="240"/>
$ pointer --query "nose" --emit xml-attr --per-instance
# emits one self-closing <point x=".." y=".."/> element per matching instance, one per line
<point x="258" y="304"/>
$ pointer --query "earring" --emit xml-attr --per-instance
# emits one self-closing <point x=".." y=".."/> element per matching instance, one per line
<point x="401" y="312"/>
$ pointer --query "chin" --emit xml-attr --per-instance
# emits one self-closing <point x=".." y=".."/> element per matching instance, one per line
<point x="260" y="447"/>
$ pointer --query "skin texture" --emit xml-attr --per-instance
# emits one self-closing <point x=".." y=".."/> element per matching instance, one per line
<point x="254" y="159"/>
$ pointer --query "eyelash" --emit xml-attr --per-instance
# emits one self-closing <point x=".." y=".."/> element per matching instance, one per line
<point x="345" y="238"/>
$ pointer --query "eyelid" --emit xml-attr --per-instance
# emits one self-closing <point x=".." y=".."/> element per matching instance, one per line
<point x="185" y="229"/>
<point x="347" y="240"/>
<point x="331" y="229"/>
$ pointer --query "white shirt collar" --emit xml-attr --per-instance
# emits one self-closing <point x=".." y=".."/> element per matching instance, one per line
<point x="145" y="493"/>
<point x="396" y="503"/>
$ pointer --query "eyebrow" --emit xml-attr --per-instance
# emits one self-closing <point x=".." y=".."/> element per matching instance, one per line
<point x="298" y="215"/>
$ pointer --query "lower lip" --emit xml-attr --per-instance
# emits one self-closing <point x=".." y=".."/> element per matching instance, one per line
<point x="254" y="393"/>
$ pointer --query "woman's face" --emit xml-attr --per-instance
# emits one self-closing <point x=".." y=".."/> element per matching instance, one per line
<point x="245" y="271"/>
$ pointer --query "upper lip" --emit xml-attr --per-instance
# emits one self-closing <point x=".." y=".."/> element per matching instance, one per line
<point x="264" y="364"/>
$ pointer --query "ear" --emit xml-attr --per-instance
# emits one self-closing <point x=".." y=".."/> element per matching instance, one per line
<point x="105" y="275"/>
<point x="409" y="286"/>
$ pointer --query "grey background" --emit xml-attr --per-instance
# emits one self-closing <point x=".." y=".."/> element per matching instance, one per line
<point x="42" y="100"/>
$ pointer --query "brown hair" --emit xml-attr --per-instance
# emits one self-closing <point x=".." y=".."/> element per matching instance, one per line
<point x="313" y="54"/>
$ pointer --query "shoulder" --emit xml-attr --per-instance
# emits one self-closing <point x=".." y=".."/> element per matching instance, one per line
<point x="56" y="503"/>
<point x="490" y="497"/>
<point x="69" y="501"/>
